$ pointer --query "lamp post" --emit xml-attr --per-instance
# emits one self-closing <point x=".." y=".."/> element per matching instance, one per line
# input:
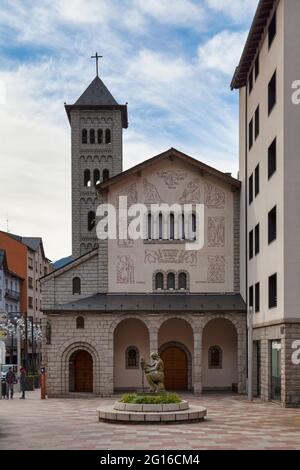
<point x="250" y="353"/>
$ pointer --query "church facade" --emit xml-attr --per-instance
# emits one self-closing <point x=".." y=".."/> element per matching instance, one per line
<point x="121" y="299"/>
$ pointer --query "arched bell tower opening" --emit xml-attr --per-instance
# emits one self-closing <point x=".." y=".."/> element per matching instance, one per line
<point x="97" y="122"/>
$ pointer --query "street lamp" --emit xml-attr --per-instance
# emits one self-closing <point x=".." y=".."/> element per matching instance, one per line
<point x="250" y="353"/>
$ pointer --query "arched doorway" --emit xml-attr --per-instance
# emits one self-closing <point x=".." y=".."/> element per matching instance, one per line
<point x="219" y="348"/>
<point x="176" y="368"/>
<point x="176" y="346"/>
<point x="81" y="372"/>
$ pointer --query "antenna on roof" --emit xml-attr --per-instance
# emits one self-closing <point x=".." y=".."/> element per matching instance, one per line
<point x="7" y="227"/>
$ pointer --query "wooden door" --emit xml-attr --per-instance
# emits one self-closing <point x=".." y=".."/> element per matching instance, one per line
<point x="176" y="368"/>
<point x="83" y="372"/>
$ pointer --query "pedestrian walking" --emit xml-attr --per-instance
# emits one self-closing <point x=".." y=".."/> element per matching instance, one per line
<point x="22" y="382"/>
<point x="10" y="379"/>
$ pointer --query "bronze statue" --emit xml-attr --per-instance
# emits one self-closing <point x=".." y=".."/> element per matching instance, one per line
<point x="154" y="373"/>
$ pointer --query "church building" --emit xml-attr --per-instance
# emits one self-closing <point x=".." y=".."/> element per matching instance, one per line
<point x="119" y="299"/>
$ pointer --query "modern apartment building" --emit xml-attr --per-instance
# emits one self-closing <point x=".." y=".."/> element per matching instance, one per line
<point x="270" y="217"/>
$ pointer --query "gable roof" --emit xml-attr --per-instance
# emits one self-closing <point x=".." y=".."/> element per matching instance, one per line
<point x="256" y="33"/>
<point x="97" y="96"/>
<point x="171" y="154"/>
<point x="33" y="243"/>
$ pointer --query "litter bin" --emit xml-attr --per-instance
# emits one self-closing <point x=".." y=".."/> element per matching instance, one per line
<point x="3" y="389"/>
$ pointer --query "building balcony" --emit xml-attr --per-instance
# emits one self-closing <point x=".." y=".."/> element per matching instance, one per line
<point x="12" y="294"/>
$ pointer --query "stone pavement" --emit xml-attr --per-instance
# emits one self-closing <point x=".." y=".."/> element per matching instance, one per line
<point x="232" y="423"/>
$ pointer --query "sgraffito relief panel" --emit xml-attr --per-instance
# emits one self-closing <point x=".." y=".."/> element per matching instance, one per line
<point x="125" y="270"/>
<point x="216" y="231"/>
<point x="210" y="270"/>
<point x="165" y="256"/>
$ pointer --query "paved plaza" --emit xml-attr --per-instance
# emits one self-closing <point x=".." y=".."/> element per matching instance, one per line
<point x="232" y="423"/>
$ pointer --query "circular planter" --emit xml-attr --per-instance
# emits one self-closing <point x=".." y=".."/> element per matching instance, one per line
<point x="150" y="408"/>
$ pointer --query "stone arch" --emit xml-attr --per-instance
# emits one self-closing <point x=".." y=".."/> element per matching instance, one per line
<point x="220" y="331"/>
<point x="66" y="352"/>
<point x="183" y="347"/>
<point x="127" y="333"/>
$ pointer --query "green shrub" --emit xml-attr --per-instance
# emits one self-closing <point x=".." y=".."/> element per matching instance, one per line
<point x="142" y="399"/>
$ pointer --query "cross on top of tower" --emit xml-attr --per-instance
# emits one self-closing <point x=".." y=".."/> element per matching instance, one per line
<point x="97" y="57"/>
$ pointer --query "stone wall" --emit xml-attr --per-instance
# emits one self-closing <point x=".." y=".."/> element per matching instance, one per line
<point x="290" y="373"/>
<point x="98" y="339"/>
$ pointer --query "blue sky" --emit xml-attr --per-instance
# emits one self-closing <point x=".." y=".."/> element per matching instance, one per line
<point x="171" y="60"/>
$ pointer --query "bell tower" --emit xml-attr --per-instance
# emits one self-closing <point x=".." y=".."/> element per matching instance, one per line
<point x="97" y="122"/>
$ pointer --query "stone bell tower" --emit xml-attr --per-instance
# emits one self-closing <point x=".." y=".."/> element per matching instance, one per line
<point x="97" y="122"/>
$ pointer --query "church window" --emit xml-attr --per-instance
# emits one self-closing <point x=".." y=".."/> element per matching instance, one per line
<point x="91" y="220"/>
<point x="100" y="136"/>
<point x="160" y="226"/>
<point x="96" y="177"/>
<point x="76" y="285"/>
<point x="92" y="136"/>
<point x="87" y="178"/>
<point x="132" y="357"/>
<point x="159" y="281"/>
<point x="182" y="227"/>
<point x="193" y="227"/>
<point x="107" y="136"/>
<point x="172" y="227"/>
<point x="149" y="226"/>
<point x="215" y="357"/>
<point x="182" y="281"/>
<point x="84" y="136"/>
<point x="171" y="281"/>
<point x="105" y="174"/>
<point x="80" y="323"/>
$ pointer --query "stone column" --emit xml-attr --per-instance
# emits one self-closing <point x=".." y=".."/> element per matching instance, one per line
<point x="241" y="354"/>
<point x="197" y="357"/>
<point x="106" y="351"/>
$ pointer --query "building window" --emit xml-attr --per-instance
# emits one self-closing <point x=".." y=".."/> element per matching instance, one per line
<point x="256" y="67"/>
<point x="272" y="93"/>
<point x="257" y="239"/>
<point x="91" y="220"/>
<point x="256" y="174"/>
<point x="84" y="136"/>
<point x="251" y="189"/>
<point x="159" y="281"/>
<point x="92" y="136"/>
<point x="272" y="158"/>
<point x="100" y="136"/>
<point x="30" y="282"/>
<point x="215" y="357"/>
<point x="87" y="178"/>
<point x="171" y="281"/>
<point x="193" y="228"/>
<point x="45" y="271"/>
<point x="80" y="323"/>
<point x="251" y="296"/>
<point x="257" y="297"/>
<point x="272" y="29"/>
<point x="172" y="226"/>
<point x="257" y="122"/>
<point x="105" y="174"/>
<point x="76" y="285"/>
<point x="96" y="177"/>
<point x="251" y="244"/>
<point x="273" y="291"/>
<point x="30" y="263"/>
<point x="30" y="302"/>
<point x="132" y="357"/>
<point x="272" y="225"/>
<point x="107" y="136"/>
<point x="160" y="226"/>
<point x="251" y="81"/>
<point x="250" y="134"/>
<point x="149" y="226"/>
<point x="182" y="281"/>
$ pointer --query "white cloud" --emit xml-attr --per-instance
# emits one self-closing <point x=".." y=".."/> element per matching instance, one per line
<point x="175" y="12"/>
<point x="237" y="10"/>
<point x="222" y="52"/>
